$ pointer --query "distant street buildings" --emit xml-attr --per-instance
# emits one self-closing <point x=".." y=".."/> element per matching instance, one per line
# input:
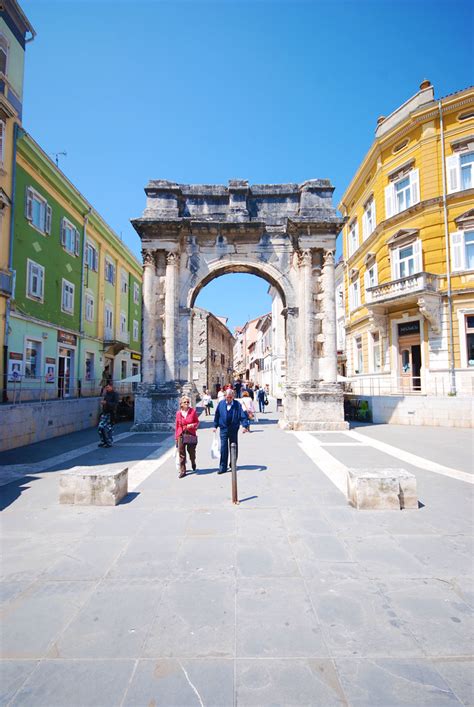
<point x="212" y="351"/>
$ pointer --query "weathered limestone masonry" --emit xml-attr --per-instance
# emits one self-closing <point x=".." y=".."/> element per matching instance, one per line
<point x="285" y="233"/>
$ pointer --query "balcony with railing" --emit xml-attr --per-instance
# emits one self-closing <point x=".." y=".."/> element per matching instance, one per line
<point x="406" y="288"/>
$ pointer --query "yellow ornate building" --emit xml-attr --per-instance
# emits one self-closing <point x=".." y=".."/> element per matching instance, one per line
<point x="408" y="246"/>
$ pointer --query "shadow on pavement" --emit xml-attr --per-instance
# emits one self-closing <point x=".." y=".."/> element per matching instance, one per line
<point x="128" y="498"/>
<point x="10" y="492"/>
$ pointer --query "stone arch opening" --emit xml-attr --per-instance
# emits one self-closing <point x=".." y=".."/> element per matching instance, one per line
<point x="285" y="233"/>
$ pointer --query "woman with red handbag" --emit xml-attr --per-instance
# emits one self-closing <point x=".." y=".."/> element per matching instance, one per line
<point x="187" y="423"/>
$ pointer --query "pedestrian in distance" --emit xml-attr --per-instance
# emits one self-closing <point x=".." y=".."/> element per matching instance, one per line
<point x="228" y="417"/>
<point x="186" y="426"/>
<point x="250" y="390"/>
<point x="207" y="402"/>
<point x="262" y="399"/>
<point x="238" y="387"/>
<point x="108" y="416"/>
<point x="248" y="406"/>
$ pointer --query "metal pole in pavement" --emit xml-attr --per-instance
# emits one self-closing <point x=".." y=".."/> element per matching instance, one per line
<point x="233" y="466"/>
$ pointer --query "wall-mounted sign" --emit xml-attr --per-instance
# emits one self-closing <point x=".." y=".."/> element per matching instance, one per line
<point x="136" y="356"/>
<point x="49" y="369"/>
<point x="409" y="328"/>
<point x="15" y="366"/>
<point x="65" y="338"/>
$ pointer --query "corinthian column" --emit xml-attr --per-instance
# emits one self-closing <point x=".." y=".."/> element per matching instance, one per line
<point x="306" y="316"/>
<point x="329" y="368"/>
<point x="149" y="321"/>
<point x="171" y="314"/>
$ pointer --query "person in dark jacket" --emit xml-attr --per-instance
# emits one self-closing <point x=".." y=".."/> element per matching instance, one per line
<point x="107" y="419"/>
<point x="228" y="417"/>
<point x="261" y="397"/>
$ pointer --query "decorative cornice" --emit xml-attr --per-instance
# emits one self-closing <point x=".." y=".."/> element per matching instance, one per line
<point x="429" y="306"/>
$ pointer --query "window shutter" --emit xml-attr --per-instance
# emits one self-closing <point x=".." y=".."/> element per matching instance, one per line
<point x="28" y="204"/>
<point x="95" y="260"/>
<point x="77" y="243"/>
<point x="415" y="186"/>
<point x="389" y="201"/>
<point x="40" y="281"/>
<point x="418" y="256"/>
<point x="395" y="259"/>
<point x="351" y="297"/>
<point x="63" y="232"/>
<point x="452" y="172"/>
<point x="376" y="273"/>
<point x="365" y="225"/>
<point x="366" y="285"/>
<point x="457" y="250"/>
<point x="356" y="233"/>
<point x="49" y="213"/>
<point x="374" y="215"/>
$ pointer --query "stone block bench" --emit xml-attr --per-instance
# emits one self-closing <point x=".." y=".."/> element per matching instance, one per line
<point x="93" y="486"/>
<point x="384" y="489"/>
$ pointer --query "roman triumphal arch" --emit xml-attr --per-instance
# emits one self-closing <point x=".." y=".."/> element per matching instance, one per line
<point x="286" y="233"/>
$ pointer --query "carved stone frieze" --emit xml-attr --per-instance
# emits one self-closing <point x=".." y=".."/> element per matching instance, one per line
<point x="378" y="322"/>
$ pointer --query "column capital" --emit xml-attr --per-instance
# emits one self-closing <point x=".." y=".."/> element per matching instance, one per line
<point x="172" y="258"/>
<point x="305" y="258"/>
<point x="329" y="258"/>
<point x="148" y="257"/>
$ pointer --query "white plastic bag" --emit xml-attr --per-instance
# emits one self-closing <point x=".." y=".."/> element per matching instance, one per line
<point x="216" y="447"/>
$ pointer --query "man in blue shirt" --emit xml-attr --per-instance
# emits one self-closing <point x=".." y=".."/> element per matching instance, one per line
<point x="228" y="418"/>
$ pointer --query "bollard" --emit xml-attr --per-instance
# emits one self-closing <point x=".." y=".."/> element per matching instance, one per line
<point x="233" y="466"/>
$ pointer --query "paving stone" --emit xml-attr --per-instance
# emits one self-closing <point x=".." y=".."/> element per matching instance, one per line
<point x="195" y="619"/>
<point x="12" y="675"/>
<point x="88" y="559"/>
<point x="312" y="551"/>
<point x="383" y="555"/>
<point x="459" y="674"/>
<point x="112" y="624"/>
<point x="392" y="682"/>
<point x="213" y="521"/>
<point x="275" y="618"/>
<point x="270" y="557"/>
<point x="167" y="521"/>
<point x="90" y="683"/>
<point x="300" y="521"/>
<point x="147" y="556"/>
<point x="297" y="682"/>
<point x="179" y="683"/>
<point x="213" y="556"/>
<point x="35" y="619"/>
<point x="11" y="590"/>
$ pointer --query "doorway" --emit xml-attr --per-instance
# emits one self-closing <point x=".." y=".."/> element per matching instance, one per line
<point x="409" y="356"/>
<point x="65" y="369"/>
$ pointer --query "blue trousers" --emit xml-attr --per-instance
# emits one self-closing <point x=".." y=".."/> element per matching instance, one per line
<point x="227" y="437"/>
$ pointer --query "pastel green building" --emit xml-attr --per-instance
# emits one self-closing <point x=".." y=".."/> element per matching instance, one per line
<point x="76" y="309"/>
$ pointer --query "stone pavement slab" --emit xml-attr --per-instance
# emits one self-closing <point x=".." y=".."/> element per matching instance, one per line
<point x="178" y="597"/>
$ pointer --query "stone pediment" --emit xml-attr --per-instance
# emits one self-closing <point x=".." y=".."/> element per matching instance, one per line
<point x="404" y="234"/>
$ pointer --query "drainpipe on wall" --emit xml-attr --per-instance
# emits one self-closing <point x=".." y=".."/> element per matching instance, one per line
<point x="16" y="131"/>
<point x="81" y="300"/>
<point x="452" y="374"/>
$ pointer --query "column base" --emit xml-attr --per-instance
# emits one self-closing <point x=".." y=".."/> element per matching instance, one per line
<point x="314" y="406"/>
<point x="156" y="406"/>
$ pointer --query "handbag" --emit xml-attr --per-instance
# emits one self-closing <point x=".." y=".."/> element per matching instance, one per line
<point x="189" y="438"/>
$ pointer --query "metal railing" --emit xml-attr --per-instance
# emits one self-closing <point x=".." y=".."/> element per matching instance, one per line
<point x="438" y="386"/>
<point x="29" y="390"/>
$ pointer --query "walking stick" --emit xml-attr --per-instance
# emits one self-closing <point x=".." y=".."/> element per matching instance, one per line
<point x="233" y="466"/>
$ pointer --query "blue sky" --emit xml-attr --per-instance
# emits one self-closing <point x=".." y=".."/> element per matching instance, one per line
<point x="264" y="90"/>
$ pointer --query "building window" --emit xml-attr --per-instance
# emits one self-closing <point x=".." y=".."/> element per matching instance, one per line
<point x="353" y="237"/>
<point x="2" y="141"/>
<point x="89" y="308"/>
<point x="136" y="293"/>
<point x="358" y="355"/>
<point x="35" y="281"/>
<point x="3" y="54"/>
<point x="38" y="211"/>
<point x="70" y="239"/>
<point x="135" y="330"/>
<point x="123" y="325"/>
<point x="469" y="320"/>
<point x="354" y="294"/>
<point x="32" y="358"/>
<point x="371" y="279"/>
<point x="134" y="369"/>
<point x="109" y="320"/>
<point x="462" y="250"/>
<point x="124" y="369"/>
<point x="92" y="257"/>
<point x="406" y="260"/>
<point x="89" y="371"/>
<point x="368" y="219"/>
<point x="460" y="171"/>
<point x="124" y="282"/>
<point x="109" y="271"/>
<point x="222" y="360"/>
<point x="376" y="358"/>
<point x="67" y="300"/>
<point x="402" y="193"/>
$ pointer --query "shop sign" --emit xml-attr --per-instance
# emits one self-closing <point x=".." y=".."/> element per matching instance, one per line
<point x="136" y="356"/>
<point x="65" y="338"/>
<point x="49" y="369"/>
<point x="409" y="328"/>
<point x="15" y="366"/>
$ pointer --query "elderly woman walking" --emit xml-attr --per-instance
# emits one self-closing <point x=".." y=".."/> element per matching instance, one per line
<point x="187" y="423"/>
